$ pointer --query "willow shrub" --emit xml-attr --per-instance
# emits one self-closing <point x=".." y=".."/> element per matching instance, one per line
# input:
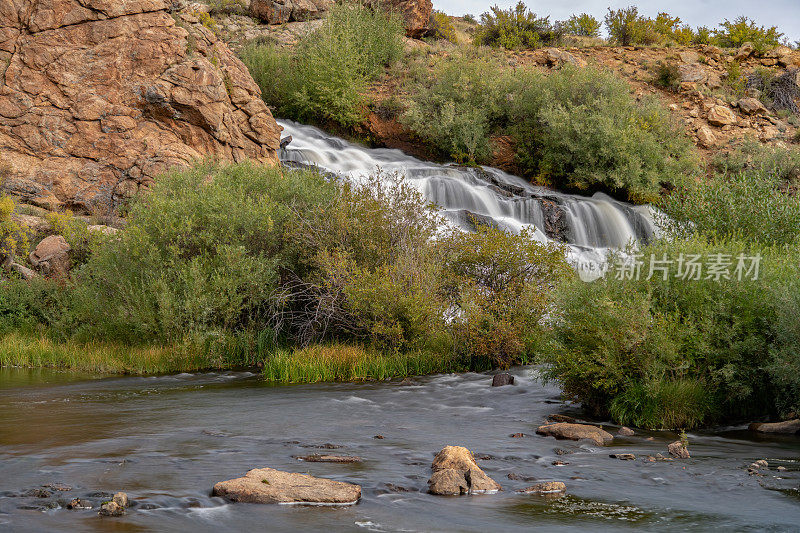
<point x="682" y="352"/>
<point x="325" y="77"/>
<point x="578" y="129"/>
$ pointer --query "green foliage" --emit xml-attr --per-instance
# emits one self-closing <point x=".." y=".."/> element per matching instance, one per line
<point x="443" y="28"/>
<point x="207" y="20"/>
<point x="75" y="232"/>
<point x="200" y="253"/>
<point x="679" y="352"/>
<point x="735" y="79"/>
<point x="516" y="28"/>
<point x="470" y="19"/>
<point x="733" y="34"/>
<point x="13" y="239"/>
<point x="326" y="77"/>
<point x="454" y="105"/>
<point x="745" y="197"/>
<point x="503" y="287"/>
<point x="581" y="129"/>
<point x="582" y="25"/>
<point x="667" y="75"/>
<point x="702" y="35"/>
<point x="626" y="27"/>
<point x="227" y="7"/>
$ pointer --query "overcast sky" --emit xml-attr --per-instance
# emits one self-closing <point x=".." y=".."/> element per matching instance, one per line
<point x="785" y="14"/>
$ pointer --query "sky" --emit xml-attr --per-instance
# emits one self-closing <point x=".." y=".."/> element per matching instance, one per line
<point x="785" y="14"/>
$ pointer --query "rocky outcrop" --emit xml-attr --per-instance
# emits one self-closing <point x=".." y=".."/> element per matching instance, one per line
<point x="115" y="507"/>
<point x="720" y="116"/>
<point x="266" y="485"/>
<point x="563" y="430"/>
<point x="456" y="472"/>
<point x="97" y="97"/>
<point x="283" y="11"/>
<point x="327" y="458"/>
<point x="751" y="106"/>
<point x="416" y="14"/>
<point x="51" y="256"/>
<point x="554" y="57"/>
<point x="788" y="427"/>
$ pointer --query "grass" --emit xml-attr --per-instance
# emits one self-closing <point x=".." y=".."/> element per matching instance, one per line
<point x="32" y="351"/>
<point x="337" y="362"/>
<point x="342" y="362"/>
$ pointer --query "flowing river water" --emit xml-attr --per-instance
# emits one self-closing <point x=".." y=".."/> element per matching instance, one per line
<point x="166" y="440"/>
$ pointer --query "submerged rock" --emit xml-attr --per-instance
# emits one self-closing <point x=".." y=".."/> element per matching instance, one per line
<point x="678" y="450"/>
<point x="78" y="503"/>
<point x="565" y="430"/>
<point x="625" y="432"/>
<point x="267" y="485"/>
<point x="789" y="427"/>
<point x="548" y="487"/>
<point x="456" y="472"/>
<point x="500" y="380"/>
<point x="111" y="509"/>
<point x="623" y="456"/>
<point x="325" y="458"/>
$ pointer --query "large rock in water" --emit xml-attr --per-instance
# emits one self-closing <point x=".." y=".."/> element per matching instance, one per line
<point x="455" y="472"/>
<point x="266" y="485"/>
<point x="416" y="14"/>
<point x="97" y="97"/>
<point x="564" y="430"/>
<point x="788" y="427"/>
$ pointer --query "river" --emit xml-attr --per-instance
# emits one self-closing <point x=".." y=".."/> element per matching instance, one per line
<point x="166" y="440"/>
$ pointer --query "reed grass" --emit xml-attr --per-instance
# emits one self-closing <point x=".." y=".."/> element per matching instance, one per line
<point x="343" y="362"/>
<point x="34" y="351"/>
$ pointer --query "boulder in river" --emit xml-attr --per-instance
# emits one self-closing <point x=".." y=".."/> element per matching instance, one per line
<point x="787" y="427"/>
<point x="502" y="379"/>
<point x="625" y="432"/>
<point x="564" y="430"/>
<point x="456" y="472"/>
<point x="679" y="450"/>
<point x="267" y="485"/>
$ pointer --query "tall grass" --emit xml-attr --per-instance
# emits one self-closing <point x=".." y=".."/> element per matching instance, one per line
<point x="344" y="362"/>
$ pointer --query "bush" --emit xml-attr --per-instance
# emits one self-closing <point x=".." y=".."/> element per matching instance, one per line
<point x="626" y="27"/>
<point x="516" y="28"/>
<point x="667" y="75"/>
<point x="581" y="129"/>
<point x="676" y="352"/>
<point x="443" y="28"/>
<point x="778" y="92"/>
<point x="13" y="239"/>
<point x="502" y="286"/>
<point x="201" y="253"/>
<point x="582" y="25"/>
<point x="227" y="7"/>
<point x="325" y="78"/>
<point x="454" y="105"/>
<point x="702" y="36"/>
<point x="733" y="34"/>
<point x="75" y="231"/>
<point x="744" y="198"/>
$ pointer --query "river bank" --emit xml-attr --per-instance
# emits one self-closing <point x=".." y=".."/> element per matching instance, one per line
<point x="166" y="440"/>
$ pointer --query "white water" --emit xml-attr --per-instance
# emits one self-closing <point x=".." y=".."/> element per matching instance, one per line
<point x="594" y="225"/>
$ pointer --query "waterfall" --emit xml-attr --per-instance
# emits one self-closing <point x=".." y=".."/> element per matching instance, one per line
<point x="591" y="226"/>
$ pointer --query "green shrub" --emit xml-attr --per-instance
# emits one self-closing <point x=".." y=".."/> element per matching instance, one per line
<point x="516" y="28"/>
<point x="702" y="35"/>
<point x="227" y="7"/>
<point x="443" y="28"/>
<point x="667" y="75"/>
<point x="470" y="19"/>
<point x="13" y="239"/>
<point x="326" y="76"/>
<point x="745" y="197"/>
<point x="680" y="352"/>
<point x="201" y="253"/>
<point x="582" y="25"/>
<point x="626" y="27"/>
<point x="735" y="80"/>
<point x="454" y="105"/>
<point x="581" y="129"/>
<point x="502" y="285"/>
<point x="75" y="231"/>
<point x="733" y="34"/>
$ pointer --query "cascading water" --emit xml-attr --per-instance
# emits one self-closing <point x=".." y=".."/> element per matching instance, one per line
<point x="591" y="226"/>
